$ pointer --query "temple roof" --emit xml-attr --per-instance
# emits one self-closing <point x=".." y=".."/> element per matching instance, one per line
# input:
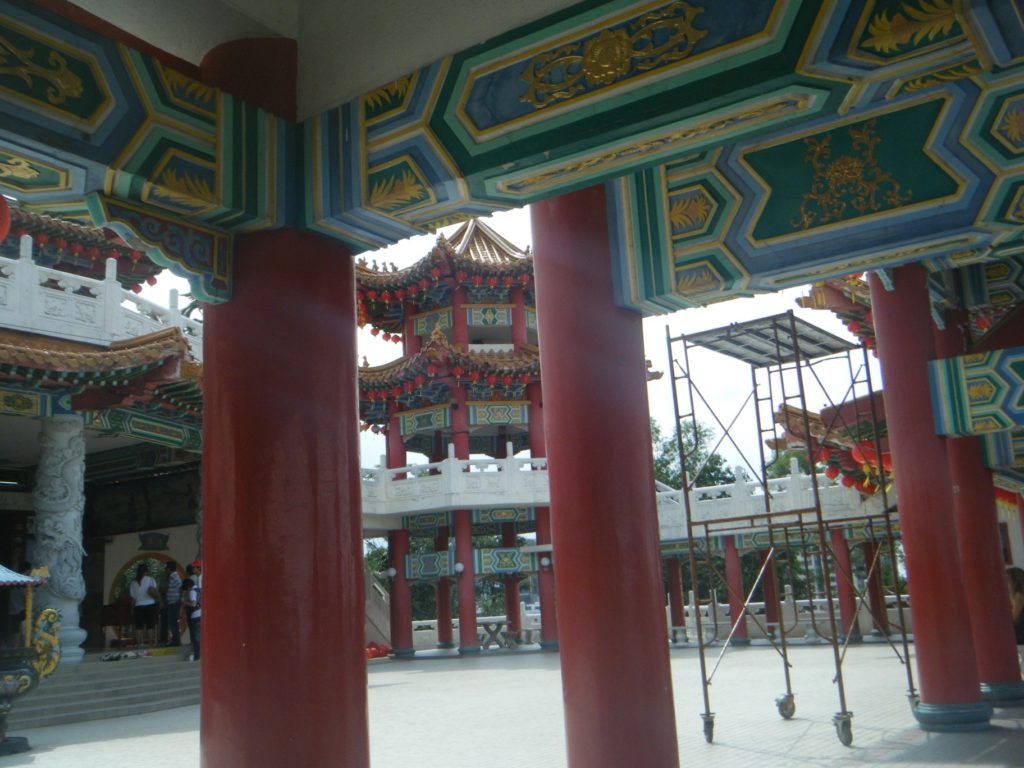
<point x="476" y="242"/>
<point x="77" y="248"/>
<point x="475" y="257"/>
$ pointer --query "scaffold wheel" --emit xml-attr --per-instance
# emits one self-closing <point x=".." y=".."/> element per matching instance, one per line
<point x="709" y="728"/>
<point x="844" y="729"/>
<point x="786" y="705"/>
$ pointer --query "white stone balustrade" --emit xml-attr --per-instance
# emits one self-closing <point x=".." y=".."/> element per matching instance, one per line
<point x="55" y="303"/>
<point x="745" y="499"/>
<point x="388" y="494"/>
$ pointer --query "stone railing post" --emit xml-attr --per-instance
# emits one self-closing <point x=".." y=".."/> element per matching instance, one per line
<point x="59" y="502"/>
<point x="111" y="299"/>
<point x="26" y="283"/>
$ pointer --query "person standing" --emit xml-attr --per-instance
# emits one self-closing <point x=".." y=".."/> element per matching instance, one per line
<point x="194" y="611"/>
<point x="172" y="608"/>
<point x="1015" y="581"/>
<point x="145" y="595"/>
<point x="16" y="610"/>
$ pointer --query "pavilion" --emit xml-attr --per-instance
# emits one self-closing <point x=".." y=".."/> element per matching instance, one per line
<point x="675" y="154"/>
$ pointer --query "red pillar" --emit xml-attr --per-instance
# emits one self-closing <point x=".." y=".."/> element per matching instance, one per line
<point x="466" y="580"/>
<point x="511" y="583"/>
<point x="460" y="330"/>
<point x="843" y="570"/>
<point x="737" y="594"/>
<point x="981" y="557"/>
<point x="769" y="589"/>
<point x="411" y="343"/>
<point x="444" y="596"/>
<point x="876" y="590"/>
<point x="281" y="495"/>
<point x="675" y="597"/>
<point x="545" y="576"/>
<point x="400" y="594"/>
<point x="518" y="317"/>
<point x="948" y="678"/>
<point x="618" y="695"/>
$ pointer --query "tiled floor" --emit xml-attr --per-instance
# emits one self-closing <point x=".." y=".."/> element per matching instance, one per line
<point x="505" y="709"/>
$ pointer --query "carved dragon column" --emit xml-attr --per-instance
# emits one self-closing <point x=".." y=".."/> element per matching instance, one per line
<point x="59" y="503"/>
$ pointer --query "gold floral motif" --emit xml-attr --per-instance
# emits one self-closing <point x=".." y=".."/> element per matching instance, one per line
<point x="952" y="74"/>
<point x="848" y="181"/>
<point x="923" y="23"/>
<point x="184" y="86"/>
<point x="17" y="168"/>
<point x="699" y="279"/>
<point x="690" y="212"/>
<point x="63" y="82"/>
<point x="1012" y="126"/>
<point x="186" y="188"/>
<point x="396" y="191"/>
<point x="644" y="149"/>
<point x="562" y="73"/>
<point x="395" y="90"/>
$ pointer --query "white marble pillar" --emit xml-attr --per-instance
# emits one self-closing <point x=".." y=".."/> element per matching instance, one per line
<point x="59" y="503"/>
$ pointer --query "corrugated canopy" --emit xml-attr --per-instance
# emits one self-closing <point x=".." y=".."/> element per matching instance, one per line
<point x="9" y="578"/>
<point x="771" y="340"/>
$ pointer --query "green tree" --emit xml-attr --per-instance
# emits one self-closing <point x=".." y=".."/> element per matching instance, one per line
<point x="697" y="442"/>
<point x="779" y="467"/>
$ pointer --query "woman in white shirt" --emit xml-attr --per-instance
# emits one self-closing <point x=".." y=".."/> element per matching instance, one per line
<point x="145" y="596"/>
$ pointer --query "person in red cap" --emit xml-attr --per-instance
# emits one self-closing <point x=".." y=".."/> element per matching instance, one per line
<point x="195" y="571"/>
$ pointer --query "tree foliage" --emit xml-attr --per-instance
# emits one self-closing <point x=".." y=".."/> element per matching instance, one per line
<point x="697" y="443"/>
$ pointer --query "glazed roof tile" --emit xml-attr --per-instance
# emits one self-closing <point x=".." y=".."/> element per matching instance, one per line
<point x="45" y="353"/>
<point x="478" y="243"/>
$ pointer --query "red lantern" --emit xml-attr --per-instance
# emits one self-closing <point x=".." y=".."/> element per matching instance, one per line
<point x="399" y="294"/>
<point x="822" y="456"/>
<point x="374" y="331"/>
<point x="435" y="272"/>
<point x="396" y="338"/>
<point x="849" y="481"/>
<point x="412" y="289"/>
<point x="77" y="249"/>
<point x="5" y="217"/>
<point x="151" y="280"/>
<point x="477" y="280"/>
<point x="371" y="295"/>
<point x="111" y="253"/>
<point x="424" y="283"/>
<point x="386" y="296"/>
<point x="457" y="372"/>
<point x="474" y="376"/>
<point x="507" y="281"/>
<point x="854" y="326"/>
<point x="432" y="370"/>
<point x="831" y="472"/>
<point x="524" y="279"/>
<point x="396" y="391"/>
<point x="492" y="282"/>
<point x="408" y="386"/>
<point x="492" y="379"/>
<point x="42" y="238"/>
<point x="60" y="243"/>
<point x="419" y="379"/>
<point x="524" y="378"/>
<point x="136" y="288"/>
<point x="387" y="336"/>
<point x="460" y="276"/>
<point x="506" y="380"/>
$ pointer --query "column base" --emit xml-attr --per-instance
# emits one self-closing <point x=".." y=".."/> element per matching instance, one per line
<point x="469" y="650"/>
<point x="857" y="638"/>
<point x="740" y="641"/>
<point x="446" y="645"/>
<point x="12" y="745"/>
<point x="1003" y="694"/>
<point x="953" y="717"/>
<point x="403" y="653"/>
<point x="549" y="645"/>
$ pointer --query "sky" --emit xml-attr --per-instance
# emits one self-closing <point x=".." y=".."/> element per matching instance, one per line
<point x="724" y="382"/>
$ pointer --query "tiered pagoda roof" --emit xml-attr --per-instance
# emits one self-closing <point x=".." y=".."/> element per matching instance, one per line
<point x="77" y="248"/>
<point x="427" y="377"/>
<point x="475" y="256"/>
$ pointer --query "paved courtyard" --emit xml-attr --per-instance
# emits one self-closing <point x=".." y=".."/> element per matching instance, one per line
<point x="504" y="709"/>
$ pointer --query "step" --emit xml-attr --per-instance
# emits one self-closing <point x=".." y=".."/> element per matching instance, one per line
<point x="91" y="691"/>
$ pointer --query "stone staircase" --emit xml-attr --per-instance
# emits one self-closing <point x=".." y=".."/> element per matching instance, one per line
<point x="95" y="689"/>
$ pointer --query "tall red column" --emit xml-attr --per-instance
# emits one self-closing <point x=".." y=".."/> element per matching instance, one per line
<point x="734" y="579"/>
<point x="465" y="581"/>
<point x="876" y="589"/>
<point x="281" y="497"/>
<point x="949" y="694"/>
<point x="545" y="576"/>
<point x="674" y="573"/>
<point x="400" y="594"/>
<point x="848" y="626"/>
<point x="444" y="596"/>
<point x="769" y="589"/>
<point x="618" y="695"/>
<point x="518" y="317"/>
<point x="981" y="557"/>
<point x="511" y="583"/>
